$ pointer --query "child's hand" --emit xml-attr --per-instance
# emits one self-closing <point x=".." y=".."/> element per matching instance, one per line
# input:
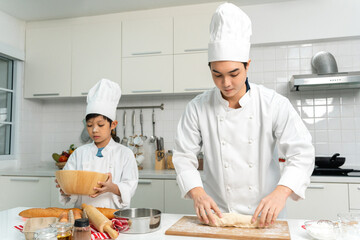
<point x="107" y="186"/>
<point x="61" y="191"/>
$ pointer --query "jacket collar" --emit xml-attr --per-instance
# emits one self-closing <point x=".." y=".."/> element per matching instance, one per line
<point x="243" y="100"/>
<point x="107" y="148"/>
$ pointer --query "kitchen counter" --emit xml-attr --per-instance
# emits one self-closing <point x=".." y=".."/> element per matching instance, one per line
<point x="47" y="169"/>
<point x="10" y="218"/>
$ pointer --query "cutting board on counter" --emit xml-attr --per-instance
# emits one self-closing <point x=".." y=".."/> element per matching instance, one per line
<point x="191" y="226"/>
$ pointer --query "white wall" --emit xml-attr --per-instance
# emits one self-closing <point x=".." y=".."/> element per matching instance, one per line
<point x="12" y="36"/>
<point x="333" y="117"/>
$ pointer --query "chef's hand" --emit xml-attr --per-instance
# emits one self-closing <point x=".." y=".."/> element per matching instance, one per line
<point x="271" y="205"/>
<point x="107" y="186"/>
<point x="204" y="205"/>
<point x="61" y="191"/>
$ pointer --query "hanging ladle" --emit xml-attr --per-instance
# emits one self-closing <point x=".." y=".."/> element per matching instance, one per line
<point x="142" y="127"/>
<point x="153" y="137"/>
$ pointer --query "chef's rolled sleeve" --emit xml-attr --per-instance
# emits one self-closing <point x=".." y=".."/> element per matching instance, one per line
<point x="187" y="146"/>
<point x="294" y="141"/>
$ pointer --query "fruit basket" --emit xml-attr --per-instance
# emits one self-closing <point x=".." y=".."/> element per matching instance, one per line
<point x="62" y="158"/>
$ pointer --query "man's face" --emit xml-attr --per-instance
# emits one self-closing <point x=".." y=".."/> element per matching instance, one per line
<point x="229" y="77"/>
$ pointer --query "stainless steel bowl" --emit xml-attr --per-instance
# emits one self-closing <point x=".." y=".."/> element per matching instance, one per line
<point x="142" y="220"/>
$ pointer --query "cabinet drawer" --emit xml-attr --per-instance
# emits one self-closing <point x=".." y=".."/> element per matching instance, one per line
<point x="354" y="194"/>
<point x="24" y="192"/>
<point x="149" y="194"/>
<point x="174" y="203"/>
<point x="323" y="201"/>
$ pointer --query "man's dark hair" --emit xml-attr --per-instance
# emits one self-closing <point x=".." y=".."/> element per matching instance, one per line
<point x="245" y="64"/>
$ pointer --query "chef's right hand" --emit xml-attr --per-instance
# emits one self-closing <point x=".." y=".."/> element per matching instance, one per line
<point x="61" y="191"/>
<point x="204" y="205"/>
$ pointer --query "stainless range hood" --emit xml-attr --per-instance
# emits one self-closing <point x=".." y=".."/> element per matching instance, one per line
<point x="326" y="76"/>
<point x="343" y="80"/>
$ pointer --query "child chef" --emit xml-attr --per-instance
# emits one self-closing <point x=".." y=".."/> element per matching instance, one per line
<point x="104" y="154"/>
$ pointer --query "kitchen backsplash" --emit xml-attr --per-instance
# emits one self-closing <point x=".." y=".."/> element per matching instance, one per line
<point x="332" y="117"/>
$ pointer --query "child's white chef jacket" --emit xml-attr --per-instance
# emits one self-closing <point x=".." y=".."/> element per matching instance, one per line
<point x="118" y="160"/>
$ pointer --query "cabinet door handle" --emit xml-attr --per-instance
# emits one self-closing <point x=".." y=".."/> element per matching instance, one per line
<point x="24" y="179"/>
<point x="45" y="94"/>
<point x="146" y="91"/>
<point x="195" y="49"/>
<point x="84" y="93"/>
<point x="145" y="53"/>
<point x="144" y="181"/>
<point x="316" y="187"/>
<point x="196" y="89"/>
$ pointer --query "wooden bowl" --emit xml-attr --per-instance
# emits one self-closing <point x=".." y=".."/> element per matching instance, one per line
<point x="79" y="182"/>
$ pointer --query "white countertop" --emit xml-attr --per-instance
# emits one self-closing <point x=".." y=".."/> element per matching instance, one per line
<point x="10" y="218"/>
<point x="47" y="169"/>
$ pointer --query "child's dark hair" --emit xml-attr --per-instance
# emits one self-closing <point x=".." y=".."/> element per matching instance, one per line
<point x="245" y="64"/>
<point x="94" y="115"/>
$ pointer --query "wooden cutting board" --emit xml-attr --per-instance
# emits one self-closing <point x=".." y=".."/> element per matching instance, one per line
<point x="191" y="226"/>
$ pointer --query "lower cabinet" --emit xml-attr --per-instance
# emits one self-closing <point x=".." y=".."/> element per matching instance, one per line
<point x="323" y="201"/>
<point x="149" y="194"/>
<point x="24" y="192"/>
<point x="161" y="194"/>
<point x="354" y="197"/>
<point x="174" y="203"/>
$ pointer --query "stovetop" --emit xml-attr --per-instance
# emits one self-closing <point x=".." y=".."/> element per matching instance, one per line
<point x="336" y="172"/>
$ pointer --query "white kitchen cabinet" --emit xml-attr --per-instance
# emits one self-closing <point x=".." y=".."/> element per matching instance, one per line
<point x="149" y="194"/>
<point x="147" y="36"/>
<point x="150" y="74"/>
<point x="191" y="73"/>
<point x="323" y="201"/>
<point x="174" y="203"/>
<point x="354" y="196"/>
<point x="96" y="54"/>
<point x="191" y="33"/>
<point x="24" y="191"/>
<point x="48" y="61"/>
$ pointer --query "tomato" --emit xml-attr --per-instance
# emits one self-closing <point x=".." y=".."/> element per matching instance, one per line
<point x="63" y="158"/>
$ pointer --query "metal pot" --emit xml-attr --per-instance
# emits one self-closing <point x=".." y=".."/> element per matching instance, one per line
<point x="143" y="220"/>
<point x="330" y="162"/>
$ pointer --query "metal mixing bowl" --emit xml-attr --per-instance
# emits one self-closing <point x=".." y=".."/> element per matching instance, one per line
<point x="142" y="220"/>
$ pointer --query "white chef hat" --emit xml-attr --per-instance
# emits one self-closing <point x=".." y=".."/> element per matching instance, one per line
<point x="103" y="98"/>
<point x="230" y="32"/>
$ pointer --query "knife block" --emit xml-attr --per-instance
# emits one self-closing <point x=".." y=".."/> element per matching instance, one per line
<point x="160" y="160"/>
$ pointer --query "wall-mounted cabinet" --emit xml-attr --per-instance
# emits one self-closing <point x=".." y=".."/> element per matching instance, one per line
<point x="147" y="37"/>
<point x="96" y="54"/>
<point x="191" y="33"/>
<point x="48" y="62"/>
<point x="191" y="73"/>
<point x="147" y="75"/>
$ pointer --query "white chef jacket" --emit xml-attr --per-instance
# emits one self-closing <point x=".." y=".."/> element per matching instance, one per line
<point x="118" y="160"/>
<point x="238" y="146"/>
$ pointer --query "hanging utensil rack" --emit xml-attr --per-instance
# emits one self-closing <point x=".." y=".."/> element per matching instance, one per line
<point x="142" y="107"/>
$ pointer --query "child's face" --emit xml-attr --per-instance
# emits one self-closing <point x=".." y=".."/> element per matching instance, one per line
<point x="99" y="130"/>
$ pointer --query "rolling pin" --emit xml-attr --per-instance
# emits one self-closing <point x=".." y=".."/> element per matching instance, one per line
<point x="99" y="220"/>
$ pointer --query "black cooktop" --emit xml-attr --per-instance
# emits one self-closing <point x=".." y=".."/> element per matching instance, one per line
<point x="335" y="172"/>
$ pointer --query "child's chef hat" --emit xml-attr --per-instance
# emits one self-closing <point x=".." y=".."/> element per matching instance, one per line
<point x="103" y="98"/>
<point x="230" y="32"/>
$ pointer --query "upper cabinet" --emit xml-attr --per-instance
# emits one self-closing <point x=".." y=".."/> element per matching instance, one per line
<point x="191" y="33"/>
<point x="96" y="54"/>
<point x="48" y="61"/>
<point x="147" y="37"/>
<point x="147" y="75"/>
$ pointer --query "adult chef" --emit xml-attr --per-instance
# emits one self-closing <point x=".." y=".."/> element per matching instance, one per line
<point x="237" y="124"/>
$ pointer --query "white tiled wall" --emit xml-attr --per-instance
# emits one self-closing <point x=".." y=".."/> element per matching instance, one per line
<point x="332" y="117"/>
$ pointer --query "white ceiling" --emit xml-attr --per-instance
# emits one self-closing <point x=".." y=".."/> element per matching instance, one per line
<point x="32" y="10"/>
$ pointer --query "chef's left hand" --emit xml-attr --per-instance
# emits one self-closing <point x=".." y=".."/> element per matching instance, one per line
<point x="271" y="205"/>
<point x="107" y="186"/>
